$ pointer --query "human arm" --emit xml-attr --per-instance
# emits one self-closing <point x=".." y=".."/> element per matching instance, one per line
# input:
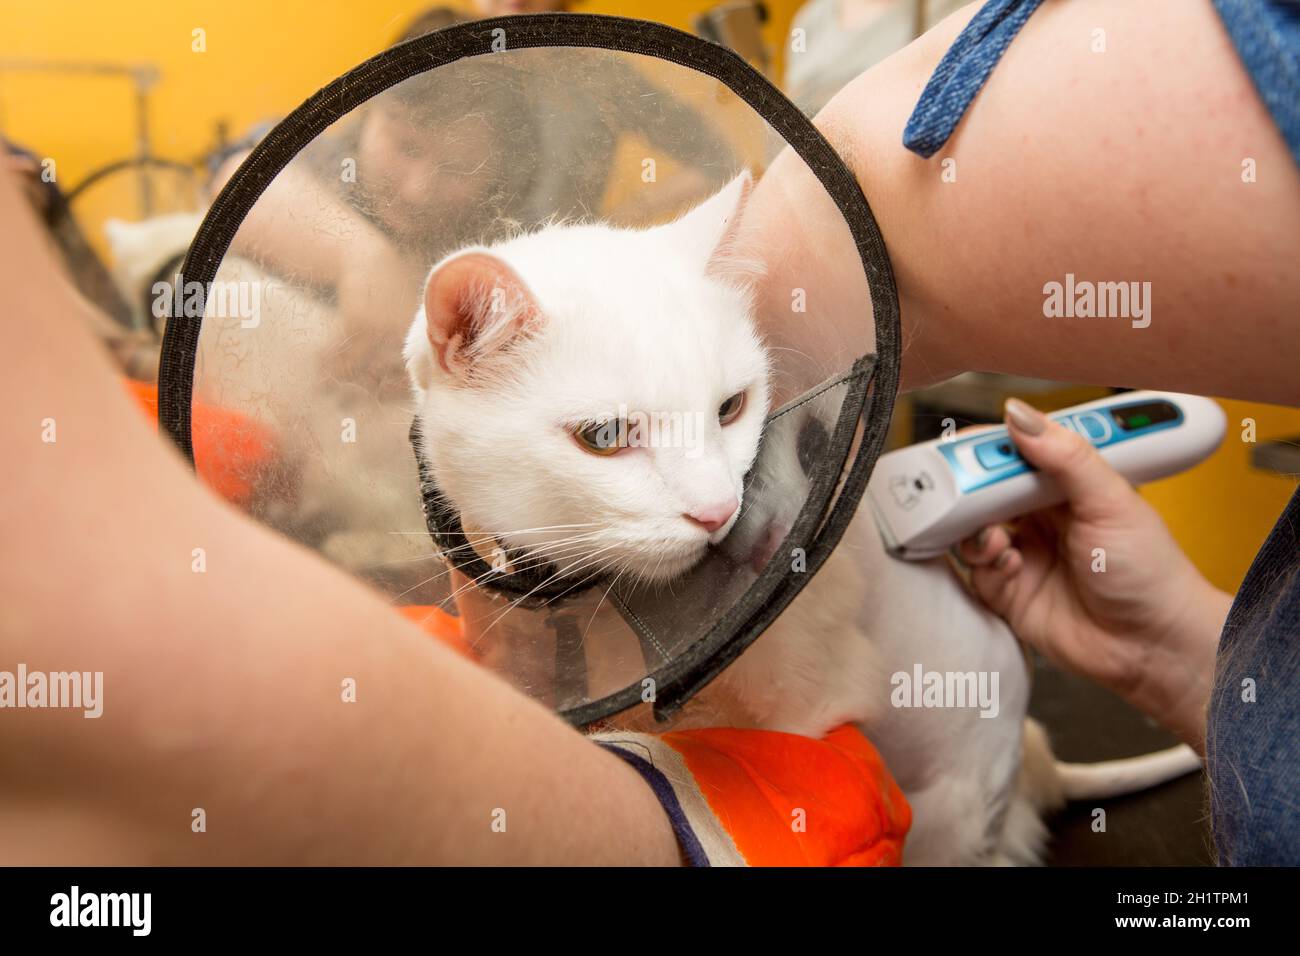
<point x="223" y="689"/>
<point x="1099" y="586"/>
<point x="1115" y="166"/>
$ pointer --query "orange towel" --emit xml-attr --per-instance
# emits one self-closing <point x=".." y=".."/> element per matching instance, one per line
<point x="756" y="797"/>
<point x="763" y="798"/>
<point x="230" y="450"/>
<point x="440" y="625"/>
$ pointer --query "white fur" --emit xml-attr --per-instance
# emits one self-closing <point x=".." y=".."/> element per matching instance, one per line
<point x="657" y="320"/>
<point x="629" y="320"/>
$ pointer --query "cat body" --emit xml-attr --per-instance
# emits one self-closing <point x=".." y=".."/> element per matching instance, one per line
<point x="520" y="354"/>
<point x="831" y="658"/>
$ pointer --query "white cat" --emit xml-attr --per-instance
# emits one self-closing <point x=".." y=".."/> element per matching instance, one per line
<point x="527" y="355"/>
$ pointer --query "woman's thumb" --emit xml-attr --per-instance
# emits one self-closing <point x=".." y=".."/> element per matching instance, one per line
<point x="1093" y="488"/>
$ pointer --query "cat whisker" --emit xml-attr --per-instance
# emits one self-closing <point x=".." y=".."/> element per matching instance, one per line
<point x="582" y="562"/>
<point x="491" y="571"/>
<point x="579" y="564"/>
<point x="416" y="586"/>
<point x="552" y="547"/>
<point x="435" y="577"/>
<point x="469" y="583"/>
<point x="601" y="603"/>
<point x="502" y="534"/>
<point x="432" y="555"/>
<point x="597" y="569"/>
<point x="601" y="567"/>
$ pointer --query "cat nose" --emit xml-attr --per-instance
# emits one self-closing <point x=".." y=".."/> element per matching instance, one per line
<point x="714" y="516"/>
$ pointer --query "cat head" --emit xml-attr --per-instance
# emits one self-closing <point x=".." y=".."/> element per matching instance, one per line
<point x="594" y="395"/>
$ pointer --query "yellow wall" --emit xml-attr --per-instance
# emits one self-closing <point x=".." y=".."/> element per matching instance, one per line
<point x="262" y="59"/>
<point x="1222" y="510"/>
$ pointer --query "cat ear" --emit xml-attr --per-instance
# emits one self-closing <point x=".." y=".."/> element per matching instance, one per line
<point x="474" y="306"/>
<point x="708" y="231"/>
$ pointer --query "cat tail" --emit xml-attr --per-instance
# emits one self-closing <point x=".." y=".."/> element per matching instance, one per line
<point x="1045" y="784"/>
<point x="1048" y="783"/>
<point x="1114" y="778"/>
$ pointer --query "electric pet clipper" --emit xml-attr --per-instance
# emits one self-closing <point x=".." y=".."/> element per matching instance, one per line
<point x="930" y="496"/>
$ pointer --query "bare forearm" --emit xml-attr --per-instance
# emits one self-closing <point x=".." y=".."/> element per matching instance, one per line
<point x="298" y="227"/>
<point x="224" y="680"/>
<point x="1120" y="166"/>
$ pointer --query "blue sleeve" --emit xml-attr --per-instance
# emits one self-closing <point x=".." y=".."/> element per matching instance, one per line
<point x="962" y="72"/>
<point x="1266" y="34"/>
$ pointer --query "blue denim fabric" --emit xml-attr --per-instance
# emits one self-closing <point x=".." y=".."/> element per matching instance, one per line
<point x="962" y="72"/>
<point x="1253" y="745"/>
<point x="1266" y="34"/>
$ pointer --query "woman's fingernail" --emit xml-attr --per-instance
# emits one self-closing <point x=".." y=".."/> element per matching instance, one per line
<point x="1024" y="418"/>
<point x="1003" y="559"/>
<point x="981" y="539"/>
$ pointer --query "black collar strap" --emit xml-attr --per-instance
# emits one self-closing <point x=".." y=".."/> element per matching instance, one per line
<point x="532" y="582"/>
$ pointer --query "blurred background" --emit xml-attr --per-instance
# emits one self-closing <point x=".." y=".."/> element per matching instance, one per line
<point x="124" y="111"/>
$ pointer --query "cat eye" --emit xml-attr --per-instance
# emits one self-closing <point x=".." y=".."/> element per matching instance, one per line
<point x="602" y="438"/>
<point x="730" y="410"/>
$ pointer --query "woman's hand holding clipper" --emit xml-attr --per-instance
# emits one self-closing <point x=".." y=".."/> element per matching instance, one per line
<point x="1098" y="585"/>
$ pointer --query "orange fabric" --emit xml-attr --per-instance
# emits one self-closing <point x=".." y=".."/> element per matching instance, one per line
<point x="230" y="449"/>
<point x="441" y="625"/>
<point x="756" y="780"/>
